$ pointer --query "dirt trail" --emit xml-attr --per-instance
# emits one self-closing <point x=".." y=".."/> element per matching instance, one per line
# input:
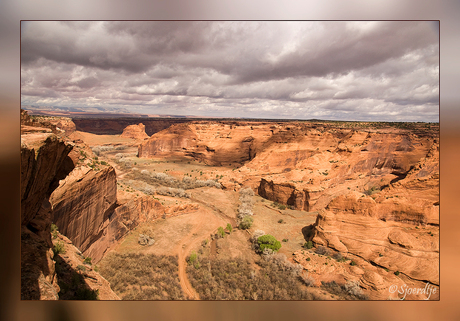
<point x="187" y="243"/>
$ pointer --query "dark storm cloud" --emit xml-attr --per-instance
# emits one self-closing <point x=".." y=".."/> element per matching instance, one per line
<point x="274" y="69"/>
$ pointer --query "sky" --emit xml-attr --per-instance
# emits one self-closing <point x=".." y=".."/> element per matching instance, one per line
<point x="334" y="70"/>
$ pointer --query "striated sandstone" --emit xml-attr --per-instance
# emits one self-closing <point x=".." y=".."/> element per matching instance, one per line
<point x="413" y="252"/>
<point x="83" y="203"/>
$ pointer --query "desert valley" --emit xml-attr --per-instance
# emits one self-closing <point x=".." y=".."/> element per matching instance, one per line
<point x="228" y="209"/>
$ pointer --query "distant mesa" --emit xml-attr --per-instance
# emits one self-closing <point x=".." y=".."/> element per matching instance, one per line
<point x="135" y="132"/>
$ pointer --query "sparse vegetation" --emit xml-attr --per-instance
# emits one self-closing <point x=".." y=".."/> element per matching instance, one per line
<point x="245" y="208"/>
<point x="142" y="276"/>
<point x="246" y="223"/>
<point x="58" y="248"/>
<point x="235" y="279"/>
<point x="54" y="230"/>
<point x="372" y="190"/>
<point x="308" y="245"/>
<point x="348" y="291"/>
<point x="321" y="250"/>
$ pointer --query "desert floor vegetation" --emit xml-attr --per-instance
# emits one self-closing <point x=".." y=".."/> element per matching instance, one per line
<point x="135" y="276"/>
<point x="272" y="278"/>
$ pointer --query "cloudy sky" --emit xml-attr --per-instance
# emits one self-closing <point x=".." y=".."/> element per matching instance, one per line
<point x="383" y="71"/>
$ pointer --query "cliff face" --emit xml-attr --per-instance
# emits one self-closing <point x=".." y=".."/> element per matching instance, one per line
<point x="382" y="247"/>
<point x="83" y="203"/>
<point x="105" y="126"/>
<point x="400" y="170"/>
<point x="123" y="219"/>
<point x="284" y="193"/>
<point x="42" y="154"/>
<point x="41" y="157"/>
<point x="212" y="143"/>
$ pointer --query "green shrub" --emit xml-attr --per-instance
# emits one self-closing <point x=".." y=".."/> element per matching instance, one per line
<point x="87" y="260"/>
<point x="58" y="248"/>
<point x="268" y="241"/>
<point x="282" y="207"/>
<point x="308" y="245"/>
<point x="246" y="223"/>
<point x="220" y="231"/>
<point x="352" y="263"/>
<point x="372" y="190"/>
<point x="280" y="221"/>
<point x="229" y="227"/>
<point x="193" y="258"/>
<point x="54" y="231"/>
<point x="397" y="273"/>
<point x="81" y="268"/>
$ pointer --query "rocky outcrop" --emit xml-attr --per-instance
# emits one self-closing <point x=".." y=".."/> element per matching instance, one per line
<point x="411" y="251"/>
<point x="77" y="276"/>
<point x="83" y="203"/>
<point x="107" y="126"/>
<point x="57" y="125"/>
<point x="212" y="143"/>
<point x="41" y="157"/>
<point x="42" y="154"/>
<point x="284" y="193"/>
<point x="135" y="132"/>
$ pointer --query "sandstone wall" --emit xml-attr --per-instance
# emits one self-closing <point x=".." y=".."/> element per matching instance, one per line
<point x="209" y="142"/>
<point x="105" y="126"/>
<point x="42" y="154"/>
<point x="83" y="203"/>
<point x="412" y="252"/>
<point x="284" y="193"/>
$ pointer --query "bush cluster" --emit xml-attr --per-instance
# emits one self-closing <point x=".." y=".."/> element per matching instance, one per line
<point x="97" y="150"/>
<point x="348" y="291"/>
<point x="163" y="179"/>
<point x="142" y="276"/>
<point x="245" y="209"/>
<point x="235" y="279"/>
<point x="268" y="241"/>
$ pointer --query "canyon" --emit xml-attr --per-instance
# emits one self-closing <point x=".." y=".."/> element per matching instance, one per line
<point x="368" y="192"/>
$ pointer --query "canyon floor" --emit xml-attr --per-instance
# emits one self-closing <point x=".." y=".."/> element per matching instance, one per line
<point x="354" y="206"/>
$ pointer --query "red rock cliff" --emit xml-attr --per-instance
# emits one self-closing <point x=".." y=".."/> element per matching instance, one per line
<point x="42" y="154"/>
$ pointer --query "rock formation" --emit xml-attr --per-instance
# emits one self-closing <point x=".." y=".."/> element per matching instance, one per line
<point x="44" y="161"/>
<point x="108" y="126"/>
<point x="135" y="132"/>
<point x="42" y="154"/>
<point x="209" y="142"/>
<point x="83" y="203"/>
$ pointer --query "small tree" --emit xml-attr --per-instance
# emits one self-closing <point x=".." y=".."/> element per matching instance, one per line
<point x="229" y="227"/>
<point x="268" y="241"/>
<point x="220" y="231"/>
<point x="308" y="245"/>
